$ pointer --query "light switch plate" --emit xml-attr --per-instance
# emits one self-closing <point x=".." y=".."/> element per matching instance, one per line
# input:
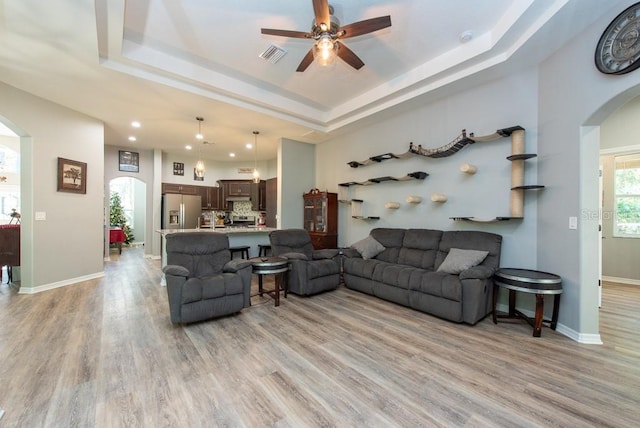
<point x="573" y="222"/>
<point x="41" y="215"/>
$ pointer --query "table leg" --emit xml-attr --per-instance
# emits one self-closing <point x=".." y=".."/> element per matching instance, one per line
<point x="260" y="290"/>
<point x="495" y="303"/>
<point x="285" y="282"/>
<point x="120" y="247"/>
<point x="276" y="297"/>
<point x="512" y="303"/>
<point x="537" y="324"/>
<point x="556" y="309"/>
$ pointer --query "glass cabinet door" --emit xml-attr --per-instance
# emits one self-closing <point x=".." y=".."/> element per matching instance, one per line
<point x="309" y="215"/>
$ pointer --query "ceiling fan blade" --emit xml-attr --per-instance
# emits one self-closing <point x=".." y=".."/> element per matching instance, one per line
<point x="306" y="61"/>
<point x="367" y="26"/>
<point x="321" y="11"/>
<point x="349" y="56"/>
<point x="286" y="33"/>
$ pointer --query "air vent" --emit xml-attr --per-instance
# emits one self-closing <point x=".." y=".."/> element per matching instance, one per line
<point x="272" y="54"/>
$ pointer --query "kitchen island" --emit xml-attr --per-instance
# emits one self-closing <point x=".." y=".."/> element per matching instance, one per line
<point x="238" y="236"/>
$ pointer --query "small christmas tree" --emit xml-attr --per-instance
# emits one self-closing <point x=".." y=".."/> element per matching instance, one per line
<point x="117" y="217"/>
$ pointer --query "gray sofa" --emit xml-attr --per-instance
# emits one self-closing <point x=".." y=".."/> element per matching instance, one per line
<point x="407" y="272"/>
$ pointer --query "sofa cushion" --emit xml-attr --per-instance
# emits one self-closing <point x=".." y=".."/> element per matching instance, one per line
<point x="391" y="239"/>
<point x="471" y="240"/>
<point x="439" y="284"/>
<point x="458" y="260"/>
<point x="419" y="248"/>
<point x="395" y="275"/>
<point x="368" y="247"/>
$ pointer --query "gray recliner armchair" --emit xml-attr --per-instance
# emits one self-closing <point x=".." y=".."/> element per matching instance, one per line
<point x="202" y="280"/>
<point x="312" y="271"/>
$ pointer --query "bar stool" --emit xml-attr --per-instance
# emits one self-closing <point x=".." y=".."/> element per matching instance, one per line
<point x="262" y="249"/>
<point x="242" y="249"/>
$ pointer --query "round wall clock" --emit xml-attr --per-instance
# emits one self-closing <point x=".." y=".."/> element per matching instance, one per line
<point x="618" y="50"/>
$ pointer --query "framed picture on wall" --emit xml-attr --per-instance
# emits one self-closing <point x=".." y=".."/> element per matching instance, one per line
<point x="196" y="177"/>
<point x="178" y="168"/>
<point x="72" y="176"/>
<point x="129" y="161"/>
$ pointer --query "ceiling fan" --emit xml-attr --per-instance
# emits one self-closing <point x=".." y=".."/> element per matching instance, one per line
<point x="326" y="31"/>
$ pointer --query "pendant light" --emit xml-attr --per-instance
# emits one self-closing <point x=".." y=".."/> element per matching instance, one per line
<point x="256" y="174"/>
<point x="199" y="171"/>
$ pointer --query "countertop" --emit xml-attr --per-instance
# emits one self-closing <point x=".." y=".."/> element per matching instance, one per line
<point x="225" y="230"/>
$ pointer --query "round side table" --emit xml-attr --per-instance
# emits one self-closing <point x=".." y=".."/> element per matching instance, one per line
<point x="278" y="266"/>
<point x="532" y="282"/>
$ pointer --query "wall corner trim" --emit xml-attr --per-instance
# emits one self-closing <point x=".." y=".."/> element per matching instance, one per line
<point x="51" y="286"/>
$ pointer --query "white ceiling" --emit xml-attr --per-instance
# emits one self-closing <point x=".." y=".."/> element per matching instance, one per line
<point x="165" y="62"/>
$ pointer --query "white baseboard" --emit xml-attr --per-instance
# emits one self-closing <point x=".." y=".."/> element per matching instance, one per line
<point x="587" y="339"/>
<point x="627" y="281"/>
<point x="52" y="285"/>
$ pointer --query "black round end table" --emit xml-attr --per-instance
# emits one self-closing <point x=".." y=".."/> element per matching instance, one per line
<point x="278" y="266"/>
<point x="528" y="281"/>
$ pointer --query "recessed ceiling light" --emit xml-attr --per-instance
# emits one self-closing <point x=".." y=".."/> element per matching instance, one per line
<point x="188" y="147"/>
<point x="135" y="124"/>
<point x="249" y="146"/>
<point x="132" y="138"/>
<point x="232" y="155"/>
<point x="466" y="36"/>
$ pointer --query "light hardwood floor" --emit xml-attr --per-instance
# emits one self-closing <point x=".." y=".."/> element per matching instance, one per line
<point x="103" y="353"/>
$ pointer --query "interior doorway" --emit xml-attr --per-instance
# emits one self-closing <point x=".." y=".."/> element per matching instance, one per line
<point x="618" y="238"/>
<point x="132" y="194"/>
<point x="10" y="205"/>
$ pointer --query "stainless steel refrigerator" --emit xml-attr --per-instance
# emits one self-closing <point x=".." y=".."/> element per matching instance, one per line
<point x="181" y="211"/>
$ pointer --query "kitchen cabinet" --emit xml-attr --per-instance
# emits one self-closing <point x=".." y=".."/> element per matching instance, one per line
<point x="259" y="196"/>
<point x="180" y="189"/>
<point x="321" y="218"/>
<point x="236" y="188"/>
<point x="211" y="197"/>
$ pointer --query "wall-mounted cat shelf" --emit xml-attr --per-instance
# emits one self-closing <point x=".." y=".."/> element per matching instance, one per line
<point x="453" y="147"/>
<point x="517" y="158"/>
<point x="418" y="175"/>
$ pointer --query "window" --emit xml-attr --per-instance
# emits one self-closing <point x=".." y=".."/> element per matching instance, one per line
<point x="627" y="196"/>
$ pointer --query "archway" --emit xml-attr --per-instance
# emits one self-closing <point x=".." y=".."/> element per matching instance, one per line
<point x="589" y="184"/>
<point x="133" y="196"/>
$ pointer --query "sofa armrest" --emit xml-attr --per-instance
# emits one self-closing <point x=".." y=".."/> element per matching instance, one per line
<point x="324" y="254"/>
<point x="235" y="265"/>
<point x="477" y="272"/>
<point x="294" y="256"/>
<point x="176" y="270"/>
<point x="351" y="253"/>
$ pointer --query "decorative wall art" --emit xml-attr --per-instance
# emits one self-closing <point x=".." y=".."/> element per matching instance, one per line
<point x="197" y="177"/>
<point x="178" y="168"/>
<point x="72" y="176"/>
<point x="129" y="161"/>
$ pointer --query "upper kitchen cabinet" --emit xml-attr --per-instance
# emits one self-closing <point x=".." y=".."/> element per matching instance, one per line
<point x="211" y="198"/>
<point x="237" y="187"/>
<point x="180" y="189"/>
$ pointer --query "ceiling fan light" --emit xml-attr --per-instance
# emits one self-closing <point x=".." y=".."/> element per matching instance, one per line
<point x="325" y="50"/>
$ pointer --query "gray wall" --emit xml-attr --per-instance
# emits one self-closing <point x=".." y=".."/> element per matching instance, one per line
<point x="481" y="110"/>
<point x="296" y="176"/>
<point x="67" y="246"/>
<point x="214" y="170"/>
